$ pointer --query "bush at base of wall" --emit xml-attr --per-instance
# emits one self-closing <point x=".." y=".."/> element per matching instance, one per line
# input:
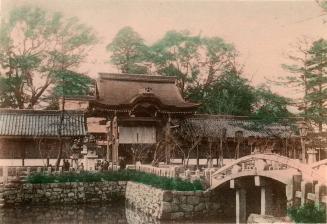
<point x="164" y="183"/>
<point x="308" y="213"/>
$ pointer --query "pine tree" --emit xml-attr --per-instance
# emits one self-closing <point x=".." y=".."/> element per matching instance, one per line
<point x="317" y="83"/>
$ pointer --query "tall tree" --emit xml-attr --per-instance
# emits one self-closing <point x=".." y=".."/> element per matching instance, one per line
<point x="309" y="73"/>
<point x="177" y="54"/>
<point x="35" y="47"/>
<point x="217" y="58"/>
<point x="317" y="83"/>
<point x="128" y="51"/>
<point x="298" y="69"/>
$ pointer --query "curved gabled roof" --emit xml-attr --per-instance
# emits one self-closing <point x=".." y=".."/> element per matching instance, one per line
<point x="123" y="89"/>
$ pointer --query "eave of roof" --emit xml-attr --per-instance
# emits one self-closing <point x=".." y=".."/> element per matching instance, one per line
<point x="41" y="123"/>
<point x="137" y="77"/>
<point x="213" y="124"/>
<point x="123" y="91"/>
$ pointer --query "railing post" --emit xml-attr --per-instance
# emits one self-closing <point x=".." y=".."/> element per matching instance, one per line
<point x="5" y="174"/>
<point x="306" y="187"/>
<point x="28" y="171"/>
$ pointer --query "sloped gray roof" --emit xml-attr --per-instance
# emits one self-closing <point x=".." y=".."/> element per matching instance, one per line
<point x="41" y="123"/>
<point x="212" y="126"/>
<point x="123" y="89"/>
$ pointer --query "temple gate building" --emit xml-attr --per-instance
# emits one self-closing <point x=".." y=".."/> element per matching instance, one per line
<point x="137" y="109"/>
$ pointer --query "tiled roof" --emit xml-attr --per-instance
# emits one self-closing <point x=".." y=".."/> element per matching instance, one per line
<point x="212" y="125"/>
<point x="41" y="123"/>
<point x="125" y="89"/>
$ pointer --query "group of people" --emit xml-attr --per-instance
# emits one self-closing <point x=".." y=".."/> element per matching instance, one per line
<point x="102" y="165"/>
<point x="66" y="166"/>
<point x="99" y="166"/>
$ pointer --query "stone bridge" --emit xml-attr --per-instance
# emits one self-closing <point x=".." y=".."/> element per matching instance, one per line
<point x="302" y="182"/>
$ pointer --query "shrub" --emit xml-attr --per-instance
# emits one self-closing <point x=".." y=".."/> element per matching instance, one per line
<point x="308" y="213"/>
<point x="123" y="175"/>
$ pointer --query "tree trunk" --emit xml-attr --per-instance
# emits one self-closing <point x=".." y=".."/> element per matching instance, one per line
<point x="62" y="114"/>
<point x="197" y="157"/>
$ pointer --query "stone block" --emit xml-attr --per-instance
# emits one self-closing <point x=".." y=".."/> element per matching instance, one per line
<point x="199" y="207"/>
<point x="166" y="207"/>
<point x="177" y="215"/>
<point x="182" y="199"/>
<point x="198" y="193"/>
<point x="193" y="200"/>
<point x="71" y="194"/>
<point x="255" y="218"/>
<point x="186" y="207"/>
<point x="39" y="191"/>
<point x="167" y="196"/>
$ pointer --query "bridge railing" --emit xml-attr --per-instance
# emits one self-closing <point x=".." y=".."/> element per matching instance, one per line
<point x="265" y="162"/>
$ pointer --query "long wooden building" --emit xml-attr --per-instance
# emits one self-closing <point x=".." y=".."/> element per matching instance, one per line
<point x="34" y="134"/>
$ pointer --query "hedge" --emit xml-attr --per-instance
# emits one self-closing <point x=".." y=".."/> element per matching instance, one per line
<point x="164" y="183"/>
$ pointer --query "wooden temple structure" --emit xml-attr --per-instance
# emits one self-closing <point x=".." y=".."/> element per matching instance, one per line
<point x="142" y="117"/>
<point x="137" y="110"/>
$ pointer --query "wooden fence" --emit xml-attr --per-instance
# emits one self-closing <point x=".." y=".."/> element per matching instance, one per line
<point x="169" y="171"/>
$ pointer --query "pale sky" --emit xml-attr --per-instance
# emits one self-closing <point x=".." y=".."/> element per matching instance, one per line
<point x="261" y="31"/>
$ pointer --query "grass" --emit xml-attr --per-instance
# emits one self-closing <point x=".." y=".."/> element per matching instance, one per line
<point x="308" y="213"/>
<point x="164" y="183"/>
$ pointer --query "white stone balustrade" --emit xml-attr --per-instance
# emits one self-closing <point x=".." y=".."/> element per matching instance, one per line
<point x="169" y="171"/>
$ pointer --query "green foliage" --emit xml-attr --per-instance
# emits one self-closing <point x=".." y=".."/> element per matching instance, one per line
<point x="124" y="175"/>
<point x="34" y="47"/>
<point x="317" y="82"/>
<point x="308" y="213"/>
<point x="229" y="94"/>
<point x="310" y="74"/>
<point x="270" y="107"/>
<point x="73" y="84"/>
<point x="177" y="54"/>
<point x="128" y="51"/>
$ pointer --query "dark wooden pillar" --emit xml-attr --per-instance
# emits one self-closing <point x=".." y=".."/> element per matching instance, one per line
<point x="115" y="140"/>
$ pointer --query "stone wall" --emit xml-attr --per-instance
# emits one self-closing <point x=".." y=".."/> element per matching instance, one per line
<point x="112" y="213"/>
<point x="158" y="203"/>
<point x="172" y="205"/>
<point x="66" y="193"/>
